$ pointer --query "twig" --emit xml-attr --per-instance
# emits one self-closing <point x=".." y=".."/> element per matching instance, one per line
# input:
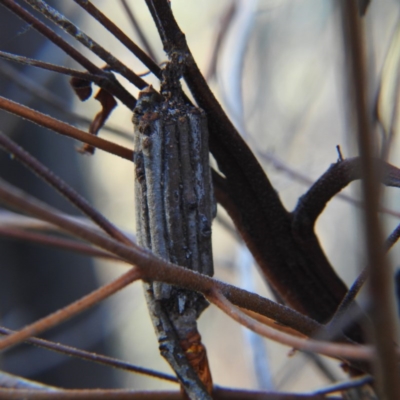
<point x="326" y="348"/>
<point x="304" y="179"/>
<point x="92" y="357"/>
<point x="62" y="187"/>
<point x="382" y="307"/>
<point x="223" y="26"/>
<point x="343" y="386"/>
<point x="336" y="178"/>
<point x="56" y="102"/>
<point x="74" y="308"/>
<point x="16" y="382"/>
<point x="64" y="129"/>
<point x="138" y="30"/>
<point x="88" y="42"/>
<point x="119" y="394"/>
<point x="112" y="86"/>
<point x="355" y="288"/>
<point x="122" y="37"/>
<point x="51" y="240"/>
<point x="55" y="68"/>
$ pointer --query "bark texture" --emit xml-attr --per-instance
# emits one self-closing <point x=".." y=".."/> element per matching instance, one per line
<point x="174" y="210"/>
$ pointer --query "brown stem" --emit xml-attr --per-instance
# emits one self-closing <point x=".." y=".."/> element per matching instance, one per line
<point x="62" y="187"/>
<point x="68" y="312"/>
<point x="55" y="68"/>
<point x="110" y="85"/>
<point x="139" y="31"/>
<point x="382" y="310"/>
<point x="121" y="36"/>
<point x="57" y="18"/>
<point x="92" y="357"/>
<point x="64" y="129"/>
<point x="119" y="394"/>
<point x="51" y="99"/>
<point x="50" y="240"/>
<point x="338" y="176"/>
<point x="326" y="348"/>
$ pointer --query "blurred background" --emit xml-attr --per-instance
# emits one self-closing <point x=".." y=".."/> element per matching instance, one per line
<point x="278" y="67"/>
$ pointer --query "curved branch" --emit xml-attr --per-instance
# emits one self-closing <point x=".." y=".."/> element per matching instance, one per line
<point x="336" y="178"/>
<point x="326" y="348"/>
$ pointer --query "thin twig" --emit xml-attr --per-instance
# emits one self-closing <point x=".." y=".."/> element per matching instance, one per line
<point x="64" y="129"/>
<point x="326" y="348"/>
<point x="139" y="31"/>
<point x="16" y="382"/>
<point x="56" y="102"/>
<point x="120" y="394"/>
<point x="346" y="385"/>
<point x="111" y="86"/>
<point x="69" y="27"/>
<point x="382" y="300"/>
<point x="92" y="357"/>
<point x="355" y="288"/>
<point x="122" y="37"/>
<point x="51" y="240"/>
<point x="62" y="187"/>
<point x="74" y="308"/>
<point x="223" y="26"/>
<point x="55" y="68"/>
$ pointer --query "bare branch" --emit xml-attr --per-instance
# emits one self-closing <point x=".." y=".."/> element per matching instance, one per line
<point x="55" y="68"/>
<point x="56" y="102"/>
<point x="279" y="165"/>
<point x="138" y="30"/>
<point x="16" y="382"/>
<point x="336" y="178"/>
<point x="92" y="357"/>
<point x="384" y="327"/>
<point x="122" y="37"/>
<point x="62" y="187"/>
<point x="64" y="129"/>
<point x="73" y="309"/>
<point x="118" y="394"/>
<point x="51" y="240"/>
<point x="88" y="42"/>
<point x="326" y="348"/>
<point x="112" y="86"/>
